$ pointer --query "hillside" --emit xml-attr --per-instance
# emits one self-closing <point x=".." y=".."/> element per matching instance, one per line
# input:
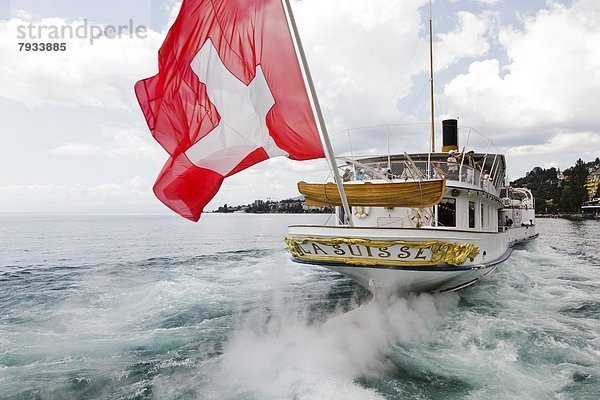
<point x="556" y="192"/>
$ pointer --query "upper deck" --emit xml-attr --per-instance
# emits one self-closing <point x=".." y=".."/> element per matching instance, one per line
<point x="477" y="171"/>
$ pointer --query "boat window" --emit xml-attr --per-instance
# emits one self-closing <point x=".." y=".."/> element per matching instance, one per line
<point x="499" y="178"/>
<point x="447" y="212"/>
<point x="471" y="214"/>
<point x="482" y="216"/>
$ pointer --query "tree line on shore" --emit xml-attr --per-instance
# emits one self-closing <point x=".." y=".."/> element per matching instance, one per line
<point x="560" y="193"/>
<point x="289" y="206"/>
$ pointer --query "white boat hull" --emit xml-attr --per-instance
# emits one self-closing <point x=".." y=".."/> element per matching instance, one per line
<point x="405" y="260"/>
<point x="404" y="281"/>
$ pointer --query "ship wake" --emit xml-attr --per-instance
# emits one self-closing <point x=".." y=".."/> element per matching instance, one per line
<point x="283" y="355"/>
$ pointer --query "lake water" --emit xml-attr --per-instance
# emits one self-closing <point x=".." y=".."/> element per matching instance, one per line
<point x="155" y="307"/>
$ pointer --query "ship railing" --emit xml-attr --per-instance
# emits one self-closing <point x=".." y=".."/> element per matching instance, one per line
<point x="392" y="138"/>
<point x="407" y="169"/>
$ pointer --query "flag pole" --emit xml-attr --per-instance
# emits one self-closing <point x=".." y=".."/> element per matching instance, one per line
<point x="319" y="113"/>
<point x="431" y="79"/>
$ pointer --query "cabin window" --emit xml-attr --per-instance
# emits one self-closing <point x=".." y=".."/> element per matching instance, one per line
<point x="447" y="212"/>
<point x="482" y="216"/>
<point x="471" y="214"/>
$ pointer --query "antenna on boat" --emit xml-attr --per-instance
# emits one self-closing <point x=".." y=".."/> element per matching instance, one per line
<point x="431" y="78"/>
<point x="318" y="112"/>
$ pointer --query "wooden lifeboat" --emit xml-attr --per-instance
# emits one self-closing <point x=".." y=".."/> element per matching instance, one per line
<point x="415" y="194"/>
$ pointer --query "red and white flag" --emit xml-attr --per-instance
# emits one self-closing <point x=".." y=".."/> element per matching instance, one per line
<point x="229" y="94"/>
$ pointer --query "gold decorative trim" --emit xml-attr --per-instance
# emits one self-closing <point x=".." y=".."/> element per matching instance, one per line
<point x="294" y="247"/>
<point x="441" y="252"/>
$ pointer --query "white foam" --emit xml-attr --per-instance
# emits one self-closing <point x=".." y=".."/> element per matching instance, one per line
<point x="283" y="356"/>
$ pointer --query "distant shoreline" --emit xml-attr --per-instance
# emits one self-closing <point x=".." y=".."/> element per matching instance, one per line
<point x="571" y="217"/>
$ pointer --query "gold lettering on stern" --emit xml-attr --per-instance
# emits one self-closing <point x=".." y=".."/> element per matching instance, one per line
<point x="441" y="252"/>
<point x="317" y="248"/>
<point x="384" y="253"/>
<point x="404" y="252"/>
<point x="352" y="251"/>
<point x="420" y="255"/>
<point x="337" y="249"/>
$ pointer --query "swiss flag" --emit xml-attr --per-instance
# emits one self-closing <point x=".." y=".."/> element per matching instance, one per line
<point x="229" y="94"/>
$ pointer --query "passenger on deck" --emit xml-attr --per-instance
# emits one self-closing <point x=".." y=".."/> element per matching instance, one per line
<point x="360" y="175"/>
<point x="452" y="164"/>
<point x="485" y="180"/>
<point x="347" y="177"/>
<point x="472" y="166"/>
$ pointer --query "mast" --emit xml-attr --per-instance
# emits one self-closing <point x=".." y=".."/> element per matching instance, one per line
<point x="431" y="80"/>
<point x="319" y="113"/>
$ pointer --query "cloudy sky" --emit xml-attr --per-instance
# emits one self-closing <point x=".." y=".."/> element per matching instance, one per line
<point x="524" y="73"/>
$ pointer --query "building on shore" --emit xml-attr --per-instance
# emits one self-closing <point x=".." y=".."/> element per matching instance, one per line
<point x="593" y="181"/>
<point x="591" y="208"/>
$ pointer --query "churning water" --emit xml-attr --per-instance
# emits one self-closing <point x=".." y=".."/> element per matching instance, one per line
<point x="154" y="307"/>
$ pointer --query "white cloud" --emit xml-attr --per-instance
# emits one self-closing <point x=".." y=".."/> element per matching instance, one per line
<point x="551" y="164"/>
<point x="489" y="2"/>
<point x="551" y="83"/>
<point x="100" y="75"/>
<point x="135" y="187"/>
<point x="77" y="149"/>
<point x="173" y="7"/>
<point x="121" y="142"/>
<point x="131" y="143"/>
<point x="365" y="55"/>
<point x="354" y="51"/>
<point x="56" y="197"/>
<point x="468" y="39"/>
<point x="578" y="144"/>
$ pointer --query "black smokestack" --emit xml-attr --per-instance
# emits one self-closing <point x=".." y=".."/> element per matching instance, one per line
<point x="450" y="135"/>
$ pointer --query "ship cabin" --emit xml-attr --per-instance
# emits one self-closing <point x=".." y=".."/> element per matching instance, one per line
<point x="468" y="195"/>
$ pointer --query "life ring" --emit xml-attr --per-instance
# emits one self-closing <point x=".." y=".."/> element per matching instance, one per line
<point x="419" y="217"/>
<point x="362" y="212"/>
